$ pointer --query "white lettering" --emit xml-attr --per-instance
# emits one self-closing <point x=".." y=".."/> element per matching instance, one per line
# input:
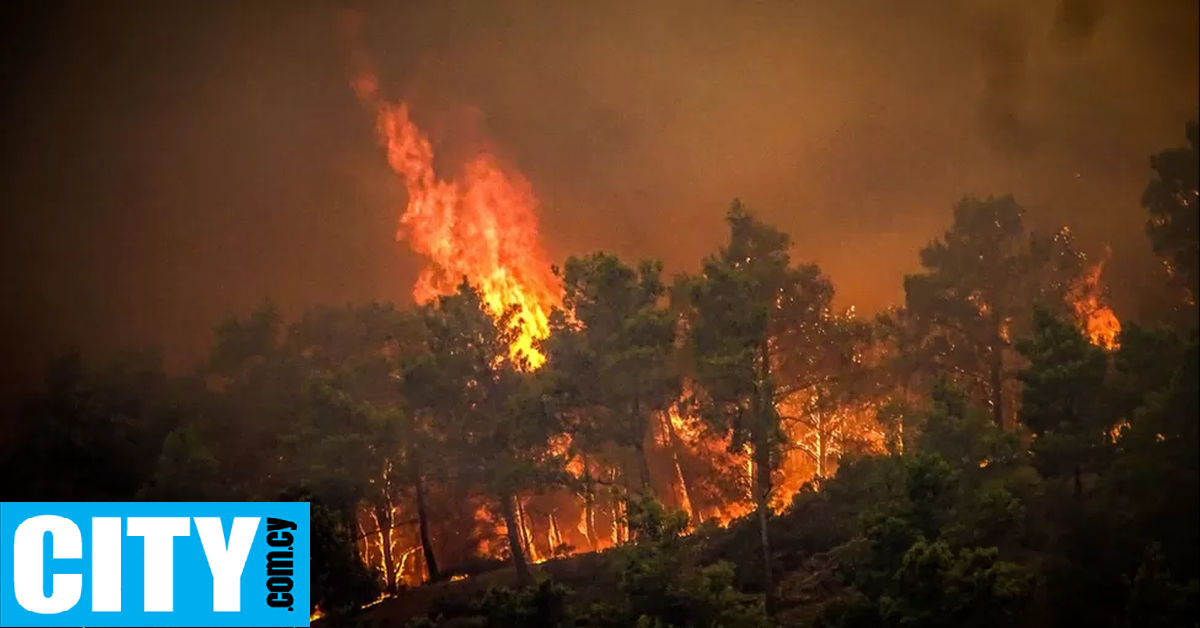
<point x="227" y="563"/>
<point x="160" y="533"/>
<point x="65" y="542"/>
<point x="106" y="564"/>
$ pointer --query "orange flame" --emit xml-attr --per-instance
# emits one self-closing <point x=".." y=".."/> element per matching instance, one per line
<point x="480" y="225"/>
<point x="1097" y="319"/>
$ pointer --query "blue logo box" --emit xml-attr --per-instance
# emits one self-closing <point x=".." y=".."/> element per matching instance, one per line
<point x="154" y="564"/>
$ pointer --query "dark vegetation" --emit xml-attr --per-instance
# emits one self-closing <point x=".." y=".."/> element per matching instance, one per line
<point x="1028" y="475"/>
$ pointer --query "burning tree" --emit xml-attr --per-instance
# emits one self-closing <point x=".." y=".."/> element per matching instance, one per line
<point x="480" y="224"/>
<point x="976" y="291"/>
<point x="827" y="408"/>
<point x="611" y="352"/>
<point x="356" y="424"/>
<point x="488" y="410"/>
<point x="751" y="317"/>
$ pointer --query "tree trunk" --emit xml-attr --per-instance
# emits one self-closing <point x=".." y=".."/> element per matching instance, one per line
<point x="589" y="505"/>
<point x="643" y="467"/>
<point x="762" y="491"/>
<point x="996" y="377"/>
<point x="821" y="445"/>
<point x="693" y="510"/>
<point x="362" y="534"/>
<point x="820" y="457"/>
<point x="761" y="439"/>
<point x="639" y="446"/>
<point x="431" y="565"/>
<point x="525" y="526"/>
<point x="685" y="485"/>
<point x="553" y="534"/>
<point x="383" y="520"/>
<point x="514" y="539"/>
<point x="620" y="477"/>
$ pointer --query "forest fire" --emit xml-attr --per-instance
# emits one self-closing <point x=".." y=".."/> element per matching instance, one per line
<point x="474" y="302"/>
<point x="1098" y="321"/>
<point x="692" y="470"/>
<point x="480" y="226"/>
<point x="477" y="221"/>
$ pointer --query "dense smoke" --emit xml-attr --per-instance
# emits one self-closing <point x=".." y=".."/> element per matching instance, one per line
<point x="1006" y="39"/>
<point x="168" y="165"/>
<point x="1076" y="21"/>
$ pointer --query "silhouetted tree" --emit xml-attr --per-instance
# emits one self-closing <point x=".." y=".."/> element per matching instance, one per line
<point x="1171" y="198"/>
<point x="1064" y="400"/>
<point x="974" y="295"/>
<point x="751" y="315"/>
<point x="611" y="351"/>
<point x="489" y="412"/>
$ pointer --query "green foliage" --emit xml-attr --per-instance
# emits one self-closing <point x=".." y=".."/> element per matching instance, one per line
<point x="1155" y="480"/>
<point x="487" y="410"/>
<point x="651" y="523"/>
<point x="97" y="433"/>
<point x="660" y="582"/>
<point x="1171" y="199"/>
<point x="663" y="585"/>
<point x="541" y="605"/>
<point x="1065" y="402"/>
<point x="759" y="330"/>
<point x="490" y="414"/>
<point x="937" y="587"/>
<point x="1156" y="600"/>
<point x="189" y="468"/>
<point x="961" y="433"/>
<point x="341" y="583"/>
<point x="933" y="525"/>
<point x="1143" y="366"/>
<point x="965" y="522"/>
<point x="239" y="342"/>
<point x="974" y="295"/>
<point x="932" y="585"/>
<point x="611" y="353"/>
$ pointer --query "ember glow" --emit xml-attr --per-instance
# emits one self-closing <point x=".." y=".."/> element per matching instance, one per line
<point x="477" y="220"/>
<point x="1095" y="317"/>
<point x="480" y="225"/>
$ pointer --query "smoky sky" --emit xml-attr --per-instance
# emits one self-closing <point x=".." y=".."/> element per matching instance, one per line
<point x="166" y="164"/>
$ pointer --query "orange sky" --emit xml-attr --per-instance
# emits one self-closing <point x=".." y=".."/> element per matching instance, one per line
<point x="169" y="164"/>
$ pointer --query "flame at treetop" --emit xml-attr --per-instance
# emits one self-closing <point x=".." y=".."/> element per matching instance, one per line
<point x="1097" y="319"/>
<point x="480" y="225"/>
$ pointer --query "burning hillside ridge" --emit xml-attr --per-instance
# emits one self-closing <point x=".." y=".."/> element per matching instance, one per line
<point x="480" y="223"/>
<point x="691" y="469"/>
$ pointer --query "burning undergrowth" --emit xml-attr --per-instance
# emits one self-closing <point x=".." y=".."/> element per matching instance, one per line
<point x="691" y="469"/>
<point x="480" y="223"/>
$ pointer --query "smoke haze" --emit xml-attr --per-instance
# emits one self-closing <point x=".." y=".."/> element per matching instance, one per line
<point x="168" y="164"/>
